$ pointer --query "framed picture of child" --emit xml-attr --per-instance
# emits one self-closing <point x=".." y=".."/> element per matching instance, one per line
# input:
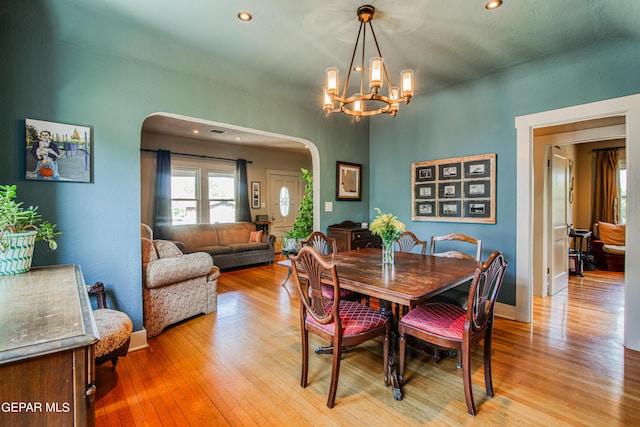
<point x="57" y="151"/>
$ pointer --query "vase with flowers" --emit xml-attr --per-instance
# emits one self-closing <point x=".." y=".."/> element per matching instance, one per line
<point x="389" y="228"/>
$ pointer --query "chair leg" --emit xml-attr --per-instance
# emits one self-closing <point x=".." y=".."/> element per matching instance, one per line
<point x="466" y="378"/>
<point x="385" y="356"/>
<point x="402" y="350"/>
<point x="305" y="357"/>
<point x="436" y="354"/>
<point x="488" y="383"/>
<point x="335" y="373"/>
<point x="114" y="362"/>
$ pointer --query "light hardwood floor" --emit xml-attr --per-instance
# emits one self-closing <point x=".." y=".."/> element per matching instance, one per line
<point x="241" y="366"/>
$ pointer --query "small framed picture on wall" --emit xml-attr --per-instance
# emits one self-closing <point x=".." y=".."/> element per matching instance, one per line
<point x="255" y="195"/>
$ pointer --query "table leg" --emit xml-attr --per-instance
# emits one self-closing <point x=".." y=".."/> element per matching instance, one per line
<point x="387" y="311"/>
<point x="288" y="275"/>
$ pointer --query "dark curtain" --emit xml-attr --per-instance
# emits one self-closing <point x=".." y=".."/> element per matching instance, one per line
<point x="606" y="194"/>
<point x="162" y="209"/>
<point x="243" y="214"/>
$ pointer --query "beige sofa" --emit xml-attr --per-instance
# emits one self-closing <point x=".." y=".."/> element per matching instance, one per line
<point x="229" y="244"/>
<point x="175" y="286"/>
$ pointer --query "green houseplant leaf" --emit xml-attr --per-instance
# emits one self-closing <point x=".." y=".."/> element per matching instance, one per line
<point x="15" y="218"/>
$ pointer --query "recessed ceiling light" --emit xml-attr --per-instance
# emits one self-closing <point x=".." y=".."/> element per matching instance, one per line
<point x="245" y="16"/>
<point x="196" y="131"/>
<point x="493" y="4"/>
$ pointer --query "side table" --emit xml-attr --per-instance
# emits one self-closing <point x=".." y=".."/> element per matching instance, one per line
<point x="578" y="235"/>
<point x="287" y="253"/>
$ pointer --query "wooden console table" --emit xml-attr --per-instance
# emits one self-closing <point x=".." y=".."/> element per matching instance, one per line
<point x="47" y="332"/>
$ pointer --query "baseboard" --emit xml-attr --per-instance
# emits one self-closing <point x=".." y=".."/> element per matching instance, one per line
<point x="505" y="310"/>
<point x="138" y="340"/>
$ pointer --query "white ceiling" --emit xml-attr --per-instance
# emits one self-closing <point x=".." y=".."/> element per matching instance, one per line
<point x="445" y="41"/>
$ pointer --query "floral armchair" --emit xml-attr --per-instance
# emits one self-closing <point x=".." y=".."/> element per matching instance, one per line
<point x="175" y="286"/>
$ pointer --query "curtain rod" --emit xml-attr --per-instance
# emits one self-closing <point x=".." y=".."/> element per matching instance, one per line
<point x="202" y="156"/>
<point x="608" y="148"/>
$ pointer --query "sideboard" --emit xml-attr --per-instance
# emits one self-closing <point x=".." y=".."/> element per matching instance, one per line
<point x="351" y="235"/>
<point x="47" y="336"/>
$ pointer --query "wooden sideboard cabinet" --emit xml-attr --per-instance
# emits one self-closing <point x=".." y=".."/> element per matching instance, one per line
<point x="47" y="337"/>
<point x="350" y="235"/>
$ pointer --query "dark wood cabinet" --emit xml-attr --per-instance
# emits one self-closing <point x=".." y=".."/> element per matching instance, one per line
<point x="47" y="349"/>
<point x="350" y="235"/>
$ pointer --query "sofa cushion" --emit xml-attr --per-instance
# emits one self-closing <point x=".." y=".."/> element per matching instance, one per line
<point x="253" y="246"/>
<point x="612" y="234"/>
<point x="234" y="232"/>
<point x="166" y="249"/>
<point x="194" y="236"/>
<point x="256" y="236"/>
<point x="614" y="249"/>
<point x="216" y="250"/>
<point x="167" y="271"/>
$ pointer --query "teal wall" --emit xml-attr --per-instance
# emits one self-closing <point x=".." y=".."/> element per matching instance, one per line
<point x="48" y="75"/>
<point x="478" y="117"/>
<point x="53" y="71"/>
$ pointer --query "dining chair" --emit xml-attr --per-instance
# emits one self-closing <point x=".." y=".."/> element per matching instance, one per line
<point x="408" y="241"/>
<point x="326" y="245"/>
<point x="342" y="323"/>
<point x="464" y="245"/>
<point x="449" y="326"/>
<point x="455" y="253"/>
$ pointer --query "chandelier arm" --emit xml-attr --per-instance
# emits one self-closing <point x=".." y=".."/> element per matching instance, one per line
<point x="364" y="41"/>
<point x="353" y="55"/>
<point x="384" y="66"/>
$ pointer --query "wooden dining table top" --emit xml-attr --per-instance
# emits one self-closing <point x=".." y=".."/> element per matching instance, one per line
<point x="412" y="278"/>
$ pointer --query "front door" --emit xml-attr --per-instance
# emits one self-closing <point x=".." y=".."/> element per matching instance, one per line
<point x="284" y="189"/>
<point x="559" y="211"/>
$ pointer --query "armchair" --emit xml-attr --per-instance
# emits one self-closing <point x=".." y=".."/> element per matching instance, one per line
<point x="175" y="286"/>
<point x="609" y="245"/>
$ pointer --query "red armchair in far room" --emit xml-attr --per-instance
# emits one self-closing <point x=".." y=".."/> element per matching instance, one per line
<point x="608" y="245"/>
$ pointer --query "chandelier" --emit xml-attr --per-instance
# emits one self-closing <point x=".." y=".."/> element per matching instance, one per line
<point x="373" y="103"/>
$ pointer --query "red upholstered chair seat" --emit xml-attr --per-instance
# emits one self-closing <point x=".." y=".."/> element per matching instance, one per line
<point x="356" y="318"/>
<point x="438" y="318"/>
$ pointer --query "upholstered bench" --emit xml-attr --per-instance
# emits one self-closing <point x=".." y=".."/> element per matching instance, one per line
<point x="114" y="327"/>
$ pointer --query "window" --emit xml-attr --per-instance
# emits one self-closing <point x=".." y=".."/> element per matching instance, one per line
<point x="623" y="194"/>
<point x="201" y="194"/>
<point x="222" y="205"/>
<point x="184" y="195"/>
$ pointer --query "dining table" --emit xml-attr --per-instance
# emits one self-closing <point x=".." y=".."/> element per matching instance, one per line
<point x="410" y="280"/>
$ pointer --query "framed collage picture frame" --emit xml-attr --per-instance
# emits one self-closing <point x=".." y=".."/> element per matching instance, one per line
<point x="459" y="189"/>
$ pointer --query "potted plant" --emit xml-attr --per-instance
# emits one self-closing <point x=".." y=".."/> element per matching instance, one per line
<point x="20" y="228"/>
<point x="303" y="225"/>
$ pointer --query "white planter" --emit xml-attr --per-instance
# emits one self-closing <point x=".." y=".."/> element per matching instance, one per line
<point x="289" y="244"/>
<point x="17" y="258"/>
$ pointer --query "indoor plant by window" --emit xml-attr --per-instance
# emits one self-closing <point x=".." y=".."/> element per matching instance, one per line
<point x="20" y="228"/>
<point x="303" y="226"/>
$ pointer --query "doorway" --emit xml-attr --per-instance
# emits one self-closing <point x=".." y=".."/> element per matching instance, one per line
<point x="529" y="217"/>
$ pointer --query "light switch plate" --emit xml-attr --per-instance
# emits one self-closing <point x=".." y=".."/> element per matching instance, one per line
<point x="328" y="206"/>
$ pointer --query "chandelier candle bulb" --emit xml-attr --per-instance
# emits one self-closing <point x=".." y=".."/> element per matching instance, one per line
<point x="357" y="105"/>
<point x="328" y="103"/>
<point x="332" y="80"/>
<point x="407" y="83"/>
<point x="375" y="70"/>
<point x="394" y="95"/>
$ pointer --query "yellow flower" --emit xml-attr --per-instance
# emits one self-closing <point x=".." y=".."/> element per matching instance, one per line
<point x="387" y="226"/>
